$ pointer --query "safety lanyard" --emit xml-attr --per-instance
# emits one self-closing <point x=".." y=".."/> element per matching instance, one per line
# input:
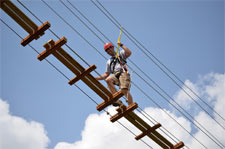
<point x="117" y="55"/>
<point x="118" y="46"/>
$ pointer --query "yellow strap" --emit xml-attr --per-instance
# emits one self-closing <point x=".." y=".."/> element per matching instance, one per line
<point x="118" y="46"/>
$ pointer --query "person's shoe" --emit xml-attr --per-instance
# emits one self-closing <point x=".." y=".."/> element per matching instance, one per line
<point x="117" y="103"/>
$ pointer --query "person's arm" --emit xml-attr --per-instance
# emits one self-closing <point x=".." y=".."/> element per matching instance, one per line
<point x="127" y="50"/>
<point x="104" y="76"/>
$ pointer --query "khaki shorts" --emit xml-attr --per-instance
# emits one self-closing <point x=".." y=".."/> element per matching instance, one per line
<point x="123" y="82"/>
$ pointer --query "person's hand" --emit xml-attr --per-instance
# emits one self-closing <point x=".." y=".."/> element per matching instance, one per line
<point x="119" y="43"/>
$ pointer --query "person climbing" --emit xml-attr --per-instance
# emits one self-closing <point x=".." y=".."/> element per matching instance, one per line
<point x="116" y="66"/>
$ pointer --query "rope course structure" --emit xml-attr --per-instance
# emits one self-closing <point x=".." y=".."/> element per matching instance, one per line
<point x="55" y="48"/>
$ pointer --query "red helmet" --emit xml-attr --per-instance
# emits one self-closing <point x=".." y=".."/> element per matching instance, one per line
<point x="107" y="45"/>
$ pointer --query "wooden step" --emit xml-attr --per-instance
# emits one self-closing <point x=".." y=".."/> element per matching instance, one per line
<point x="148" y="131"/>
<point x="36" y="34"/>
<point x="110" y="101"/>
<point x="52" y="48"/>
<point x="178" y="145"/>
<point x="83" y="74"/>
<point x="129" y="109"/>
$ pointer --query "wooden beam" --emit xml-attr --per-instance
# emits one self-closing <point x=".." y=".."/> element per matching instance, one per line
<point x="106" y="103"/>
<point x="178" y="145"/>
<point x="2" y="2"/>
<point x="99" y="85"/>
<point x="150" y="130"/>
<point x="36" y="34"/>
<point x="16" y="18"/>
<point x="81" y="75"/>
<point x="142" y="122"/>
<point x="130" y="108"/>
<point x="22" y="15"/>
<point x="47" y="52"/>
<point x="140" y="127"/>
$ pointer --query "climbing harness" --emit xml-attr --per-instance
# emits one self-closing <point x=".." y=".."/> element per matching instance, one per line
<point x="118" y="59"/>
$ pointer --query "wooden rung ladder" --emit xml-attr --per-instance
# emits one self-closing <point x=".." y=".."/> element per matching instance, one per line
<point x="27" y="24"/>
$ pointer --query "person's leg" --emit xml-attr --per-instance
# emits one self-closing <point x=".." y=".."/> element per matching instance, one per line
<point x="129" y="98"/>
<point x="127" y="95"/>
<point x="110" y="81"/>
<point x="125" y="86"/>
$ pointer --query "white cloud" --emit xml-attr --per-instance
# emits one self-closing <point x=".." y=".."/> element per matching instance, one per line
<point x="100" y="133"/>
<point x="182" y="98"/>
<point x="211" y="88"/>
<point x="216" y="92"/>
<point x="213" y="128"/>
<point x="15" y="132"/>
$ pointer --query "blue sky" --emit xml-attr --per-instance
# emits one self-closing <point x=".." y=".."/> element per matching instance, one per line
<point x="187" y="36"/>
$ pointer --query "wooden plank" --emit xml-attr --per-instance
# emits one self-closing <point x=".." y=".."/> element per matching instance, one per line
<point x="142" y="122"/>
<point x="106" y="103"/>
<point x="123" y="113"/>
<point x="2" y="1"/>
<point x="47" y="52"/>
<point x="81" y="75"/>
<point x="16" y="18"/>
<point x="97" y="83"/>
<point x="140" y="127"/>
<point x="75" y="71"/>
<point x="150" y="130"/>
<point x="40" y="31"/>
<point x="22" y="15"/>
<point x="90" y="77"/>
<point x="178" y="145"/>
